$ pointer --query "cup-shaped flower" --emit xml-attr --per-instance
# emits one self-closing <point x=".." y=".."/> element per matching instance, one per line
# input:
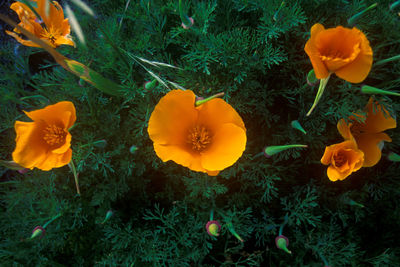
<point x="207" y="138"/>
<point x="368" y="134"/>
<point x="53" y="29"/>
<point x="213" y="228"/>
<point x="343" y="51"/>
<point x="343" y="159"/>
<point x="45" y="142"/>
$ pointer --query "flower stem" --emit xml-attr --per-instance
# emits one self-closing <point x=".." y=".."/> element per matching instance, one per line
<point x="351" y="21"/>
<point x="73" y="169"/>
<point x="321" y="89"/>
<point x="202" y="101"/>
<point x="52" y="219"/>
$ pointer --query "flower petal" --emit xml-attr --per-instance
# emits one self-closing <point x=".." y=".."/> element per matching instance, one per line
<point x="217" y="112"/>
<point x="180" y="155"/>
<point x="334" y="174"/>
<point x="172" y="117"/>
<point x="22" y="41"/>
<point x="53" y="160"/>
<point x="344" y="129"/>
<point x="378" y="118"/>
<point x="311" y="49"/>
<point x="357" y="71"/>
<point x="64" y="40"/>
<point x="30" y="146"/>
<point x="63" y="148"/>
<point x="227" y="145"/>
<point x="55" y="16"/>
<point x="62" y="114"/>
<point x="368" y="143"/>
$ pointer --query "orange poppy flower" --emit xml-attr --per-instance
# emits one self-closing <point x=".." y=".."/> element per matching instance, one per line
<point x="45" y="142"/>
<point x="343" y="159"/>
<point x="207" y="138"/>
<point x="55" y="31"/>
<point x="369" y="134"/>
<point x="345" y="52"/>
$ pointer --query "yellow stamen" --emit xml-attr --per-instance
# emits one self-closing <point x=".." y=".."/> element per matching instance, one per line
<point x="199" y="138"/>
<point x="54" y="135"/>
<point x="51" y="34"/>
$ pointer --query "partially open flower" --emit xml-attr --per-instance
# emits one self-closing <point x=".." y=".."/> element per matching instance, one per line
<point x="345" y="52"/>
<point x="343" y="159"/>
<point x="369" y="134"/>
<point x="45" y="142"/>
<point x="54" y="29"/>
<point x="213" y="228"/>
<point x="207" y="138"/>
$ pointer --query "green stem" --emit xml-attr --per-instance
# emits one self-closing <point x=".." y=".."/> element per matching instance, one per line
<point x="54" y="218"/>
<point x="321" y="89"/>
<point x="351" y="21"/>
<point x="212" y="214"/>
<point x="73" y="169"/>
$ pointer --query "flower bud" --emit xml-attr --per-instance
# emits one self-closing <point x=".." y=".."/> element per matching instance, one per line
<point x="148" y="85"/>
<point x="190" y="24"/>
<point x="282" y="242"/>
<point x="233" y="231"/>
<point x="394" y="157"/>
<point x="200" y="100"/>
<point x="373" y="90"/>
<point x="109" y="214"/>
<point x="311" y="78"/>
<point x="133" y="149"/>
<point x="38" y="231"/>
<point x="213" y="228"/>
<point x="296" y="124"/>
<point x="271" y="150"/>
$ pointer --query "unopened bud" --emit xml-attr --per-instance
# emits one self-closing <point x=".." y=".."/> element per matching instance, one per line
<point x="38" y="232"/>
<point x="296" y="124"/>
<point x="133" y="149"/>
<point x="272" y="150"/>
<point x="109" y="214"/>
<point x="282" y="242"/>
<point x="213" y="228"/>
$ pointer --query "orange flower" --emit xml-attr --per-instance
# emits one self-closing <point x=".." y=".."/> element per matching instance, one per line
<point x="45" y="142"/>
<point x="346" y="52"/>
<point x="344" y="158"/>
<point x="55" y="31"/>
<point x="207" y="138"/>
<point x="369" y="134"/>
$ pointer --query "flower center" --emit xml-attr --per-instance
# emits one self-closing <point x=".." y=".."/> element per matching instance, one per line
<point x="51" y="34"/>
<point x="339" y="159"/>
<point x="199" y="138"/>
<point x="54" y="135"/>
